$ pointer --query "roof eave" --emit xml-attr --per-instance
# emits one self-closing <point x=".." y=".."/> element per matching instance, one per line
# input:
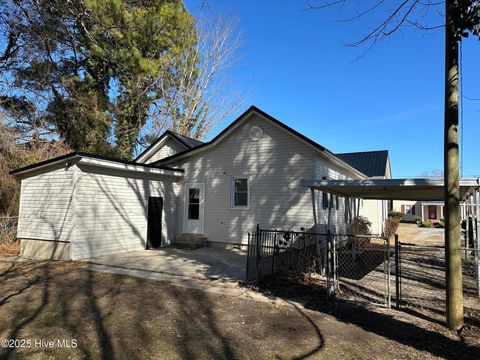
<point x="99" y="161"/>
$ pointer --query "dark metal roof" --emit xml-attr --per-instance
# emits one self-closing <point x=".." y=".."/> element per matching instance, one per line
<point x="188" y="141"/>
<point x="371" y="163"/>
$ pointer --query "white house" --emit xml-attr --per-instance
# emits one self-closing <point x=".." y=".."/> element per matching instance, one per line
<point x="426" y="210"/>
<point x="82" y="205"/>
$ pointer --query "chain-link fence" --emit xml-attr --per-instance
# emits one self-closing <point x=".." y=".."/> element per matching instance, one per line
<point x="471" y="279"/>
<point x="421" y="276"/>
<point x="375" y="269"/>
<point x="8" y="228"/>
<point x="422" y="281"/>
<point x="362" y="267"/>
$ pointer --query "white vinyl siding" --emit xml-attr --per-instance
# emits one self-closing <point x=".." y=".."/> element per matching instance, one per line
<point x="111" y="211"/>
<point x="337" y="216"/>
<point x="46" y="205"/>
<point x="171" y="147"/>
<point x="373" y="210"/>
<point x="275" y="166"/>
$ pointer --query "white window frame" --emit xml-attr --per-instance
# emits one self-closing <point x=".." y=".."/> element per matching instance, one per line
<point x="408" y="212"/>
<point x="232" y="193"/>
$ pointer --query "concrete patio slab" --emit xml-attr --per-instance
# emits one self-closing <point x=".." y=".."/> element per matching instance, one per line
<point x="204" y="264"/>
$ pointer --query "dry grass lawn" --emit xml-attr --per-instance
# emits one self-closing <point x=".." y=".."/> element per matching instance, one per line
<point x="121" y="317"/>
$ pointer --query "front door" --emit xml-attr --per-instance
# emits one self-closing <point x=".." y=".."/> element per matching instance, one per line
<point x="432" y="212"/>
<point x="154" y="225"/>
<point x="194" y="204"/>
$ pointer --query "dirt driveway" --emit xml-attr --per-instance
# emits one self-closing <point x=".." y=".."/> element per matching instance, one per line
<point x="411" y="233"/>
<point x="120" y="317"/>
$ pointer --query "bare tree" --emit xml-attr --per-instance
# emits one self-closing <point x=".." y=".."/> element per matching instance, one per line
<point x="434" y="174"/>
<point x="199" y="95"/>
<point x="459" y="17"/>
<point x="15" y="153"/>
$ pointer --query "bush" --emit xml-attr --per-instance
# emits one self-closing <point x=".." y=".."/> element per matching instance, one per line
<point x="418" y="220"/>
<point x="361" y="226"/>
<point x="391" y="225"/>
<point x="426" y="224"/>
<point x="396" y="214"/>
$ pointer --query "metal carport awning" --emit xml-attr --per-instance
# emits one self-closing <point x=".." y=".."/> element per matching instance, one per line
<point x="391" y="189"/>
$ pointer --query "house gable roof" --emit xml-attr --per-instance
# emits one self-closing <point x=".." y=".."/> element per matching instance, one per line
<point x="234" y="124"/>
<point x="371" y="163"/>
<point x="186" y="141"/>
<point x="81" y="154"/>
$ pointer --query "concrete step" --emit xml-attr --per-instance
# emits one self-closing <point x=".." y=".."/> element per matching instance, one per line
<point x="190" y="241"/>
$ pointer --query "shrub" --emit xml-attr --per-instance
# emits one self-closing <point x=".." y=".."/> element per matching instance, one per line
<point x="426" y="224"/>
<point x="396" y="214"/>
<point x="391" y="225"/>
<point x="361" y="226"/>
<point x="418" y="220"/>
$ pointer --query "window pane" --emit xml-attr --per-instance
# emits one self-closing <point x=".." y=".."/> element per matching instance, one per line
<point x="194" y="211"/>
<point x="240" y="185"/>
<point x="194" y="196"/>
<point x="325" y="201"/>
<point x="241" y="199"/>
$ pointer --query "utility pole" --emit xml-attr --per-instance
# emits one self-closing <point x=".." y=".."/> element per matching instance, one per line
<point x="451" y="181"/>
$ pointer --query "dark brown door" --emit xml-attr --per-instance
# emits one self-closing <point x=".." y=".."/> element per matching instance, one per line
<point x="432" y="212"/>
<point x="154" y="232"/>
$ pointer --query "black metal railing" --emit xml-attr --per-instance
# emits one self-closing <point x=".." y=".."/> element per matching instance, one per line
<point x="274" y="251"/>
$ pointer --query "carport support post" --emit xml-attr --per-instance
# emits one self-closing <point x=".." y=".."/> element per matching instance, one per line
<point x="451" y="181"/>
<point x="477" y="240"/>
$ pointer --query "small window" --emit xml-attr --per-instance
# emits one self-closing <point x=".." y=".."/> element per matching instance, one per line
<point x="240" y="196"/>
<point x="324" y="201"/>
<point x="408" y="209"/>
<point x="194" y="204"/>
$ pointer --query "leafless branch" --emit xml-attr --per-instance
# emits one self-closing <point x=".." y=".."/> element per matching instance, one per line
<point x="198" y="96"/>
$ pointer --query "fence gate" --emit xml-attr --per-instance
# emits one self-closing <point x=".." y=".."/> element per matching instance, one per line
<point x="421" y="282"/>
<point x="360" y="267"/>
<point x="274" y="251"/>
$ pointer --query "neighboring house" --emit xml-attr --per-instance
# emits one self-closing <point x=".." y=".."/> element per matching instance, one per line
<point x="82" y="205"/>
<point x="425" y="210"/>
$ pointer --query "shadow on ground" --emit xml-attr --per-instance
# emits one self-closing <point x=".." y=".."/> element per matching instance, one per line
<point x="120" y="317"/>
<point x="422" y="333"/>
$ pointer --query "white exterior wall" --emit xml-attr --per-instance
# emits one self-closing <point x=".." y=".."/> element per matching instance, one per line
<point x="46" y="205"/>
<point x="274" y="165"/>
<point x="111" y="209"/>
<point x="337" y="217"/>
<point x="375" y="211"/>
<point x="171" y="147"/>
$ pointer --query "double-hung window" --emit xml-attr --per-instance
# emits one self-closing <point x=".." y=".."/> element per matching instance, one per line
<point x="240" y="192"/>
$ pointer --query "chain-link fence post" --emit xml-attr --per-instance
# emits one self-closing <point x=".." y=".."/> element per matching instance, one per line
<point x="330" y="265"/>
<point x="389" y="297"/>
<point x="397" y="272"/>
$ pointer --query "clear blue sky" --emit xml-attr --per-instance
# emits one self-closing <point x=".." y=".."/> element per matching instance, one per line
<point x="296" y="67"/>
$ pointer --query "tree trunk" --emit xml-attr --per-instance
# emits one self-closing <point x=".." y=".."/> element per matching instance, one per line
<point x="452" y="189"/>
